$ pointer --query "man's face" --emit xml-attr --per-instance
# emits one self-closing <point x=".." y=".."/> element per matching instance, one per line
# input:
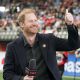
<point x="30" y="24"/>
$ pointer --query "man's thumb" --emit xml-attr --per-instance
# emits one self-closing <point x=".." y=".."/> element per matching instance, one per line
<point x="67" y="11"/>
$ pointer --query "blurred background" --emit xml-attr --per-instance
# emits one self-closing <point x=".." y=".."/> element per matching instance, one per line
<point x="51" y="18"/>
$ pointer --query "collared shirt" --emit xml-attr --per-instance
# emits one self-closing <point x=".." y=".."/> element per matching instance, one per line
<point x="35" y="53"/>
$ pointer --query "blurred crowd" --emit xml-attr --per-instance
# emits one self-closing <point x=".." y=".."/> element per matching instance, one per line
<point x="50" y="13"/>
<point x="50" y="16"/>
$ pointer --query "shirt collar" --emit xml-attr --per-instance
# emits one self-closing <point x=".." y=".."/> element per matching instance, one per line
<point x="26" y="42"/>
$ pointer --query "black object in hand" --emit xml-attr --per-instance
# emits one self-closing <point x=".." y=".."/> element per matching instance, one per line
<point x="31" y="71"/>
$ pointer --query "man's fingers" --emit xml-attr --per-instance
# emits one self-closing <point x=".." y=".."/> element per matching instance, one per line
<point x="28" y="77"/>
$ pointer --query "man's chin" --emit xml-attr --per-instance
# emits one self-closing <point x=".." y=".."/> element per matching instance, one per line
<point x="34" y="32"/>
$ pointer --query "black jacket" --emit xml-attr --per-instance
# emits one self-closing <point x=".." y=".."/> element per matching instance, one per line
<point x="15" y="59"/>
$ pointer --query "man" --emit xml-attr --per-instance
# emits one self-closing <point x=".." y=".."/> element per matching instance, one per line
<point x="41" y="47"/>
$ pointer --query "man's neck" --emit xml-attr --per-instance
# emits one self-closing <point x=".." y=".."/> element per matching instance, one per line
<point x="30" y="38"/>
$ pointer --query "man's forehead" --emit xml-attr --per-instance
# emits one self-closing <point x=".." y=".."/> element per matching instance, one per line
<point x="30" y="16"/>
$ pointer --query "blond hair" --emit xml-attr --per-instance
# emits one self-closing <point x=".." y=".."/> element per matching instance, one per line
<point x="21" y="15"/>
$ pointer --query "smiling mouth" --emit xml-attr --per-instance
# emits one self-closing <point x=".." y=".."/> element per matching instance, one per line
<point x="34" y="27"/>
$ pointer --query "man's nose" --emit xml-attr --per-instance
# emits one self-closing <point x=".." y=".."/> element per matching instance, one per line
<point x="35" y="23"/>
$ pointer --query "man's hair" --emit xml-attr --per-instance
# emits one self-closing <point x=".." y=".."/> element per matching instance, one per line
<point x="21" y="15"/>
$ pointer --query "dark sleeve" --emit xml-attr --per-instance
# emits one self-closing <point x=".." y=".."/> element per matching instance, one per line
<point x="68" y="44"/>
<point x="8" y="68"/>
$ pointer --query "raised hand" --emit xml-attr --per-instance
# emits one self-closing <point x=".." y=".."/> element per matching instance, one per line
<point x="69" y="19"/>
